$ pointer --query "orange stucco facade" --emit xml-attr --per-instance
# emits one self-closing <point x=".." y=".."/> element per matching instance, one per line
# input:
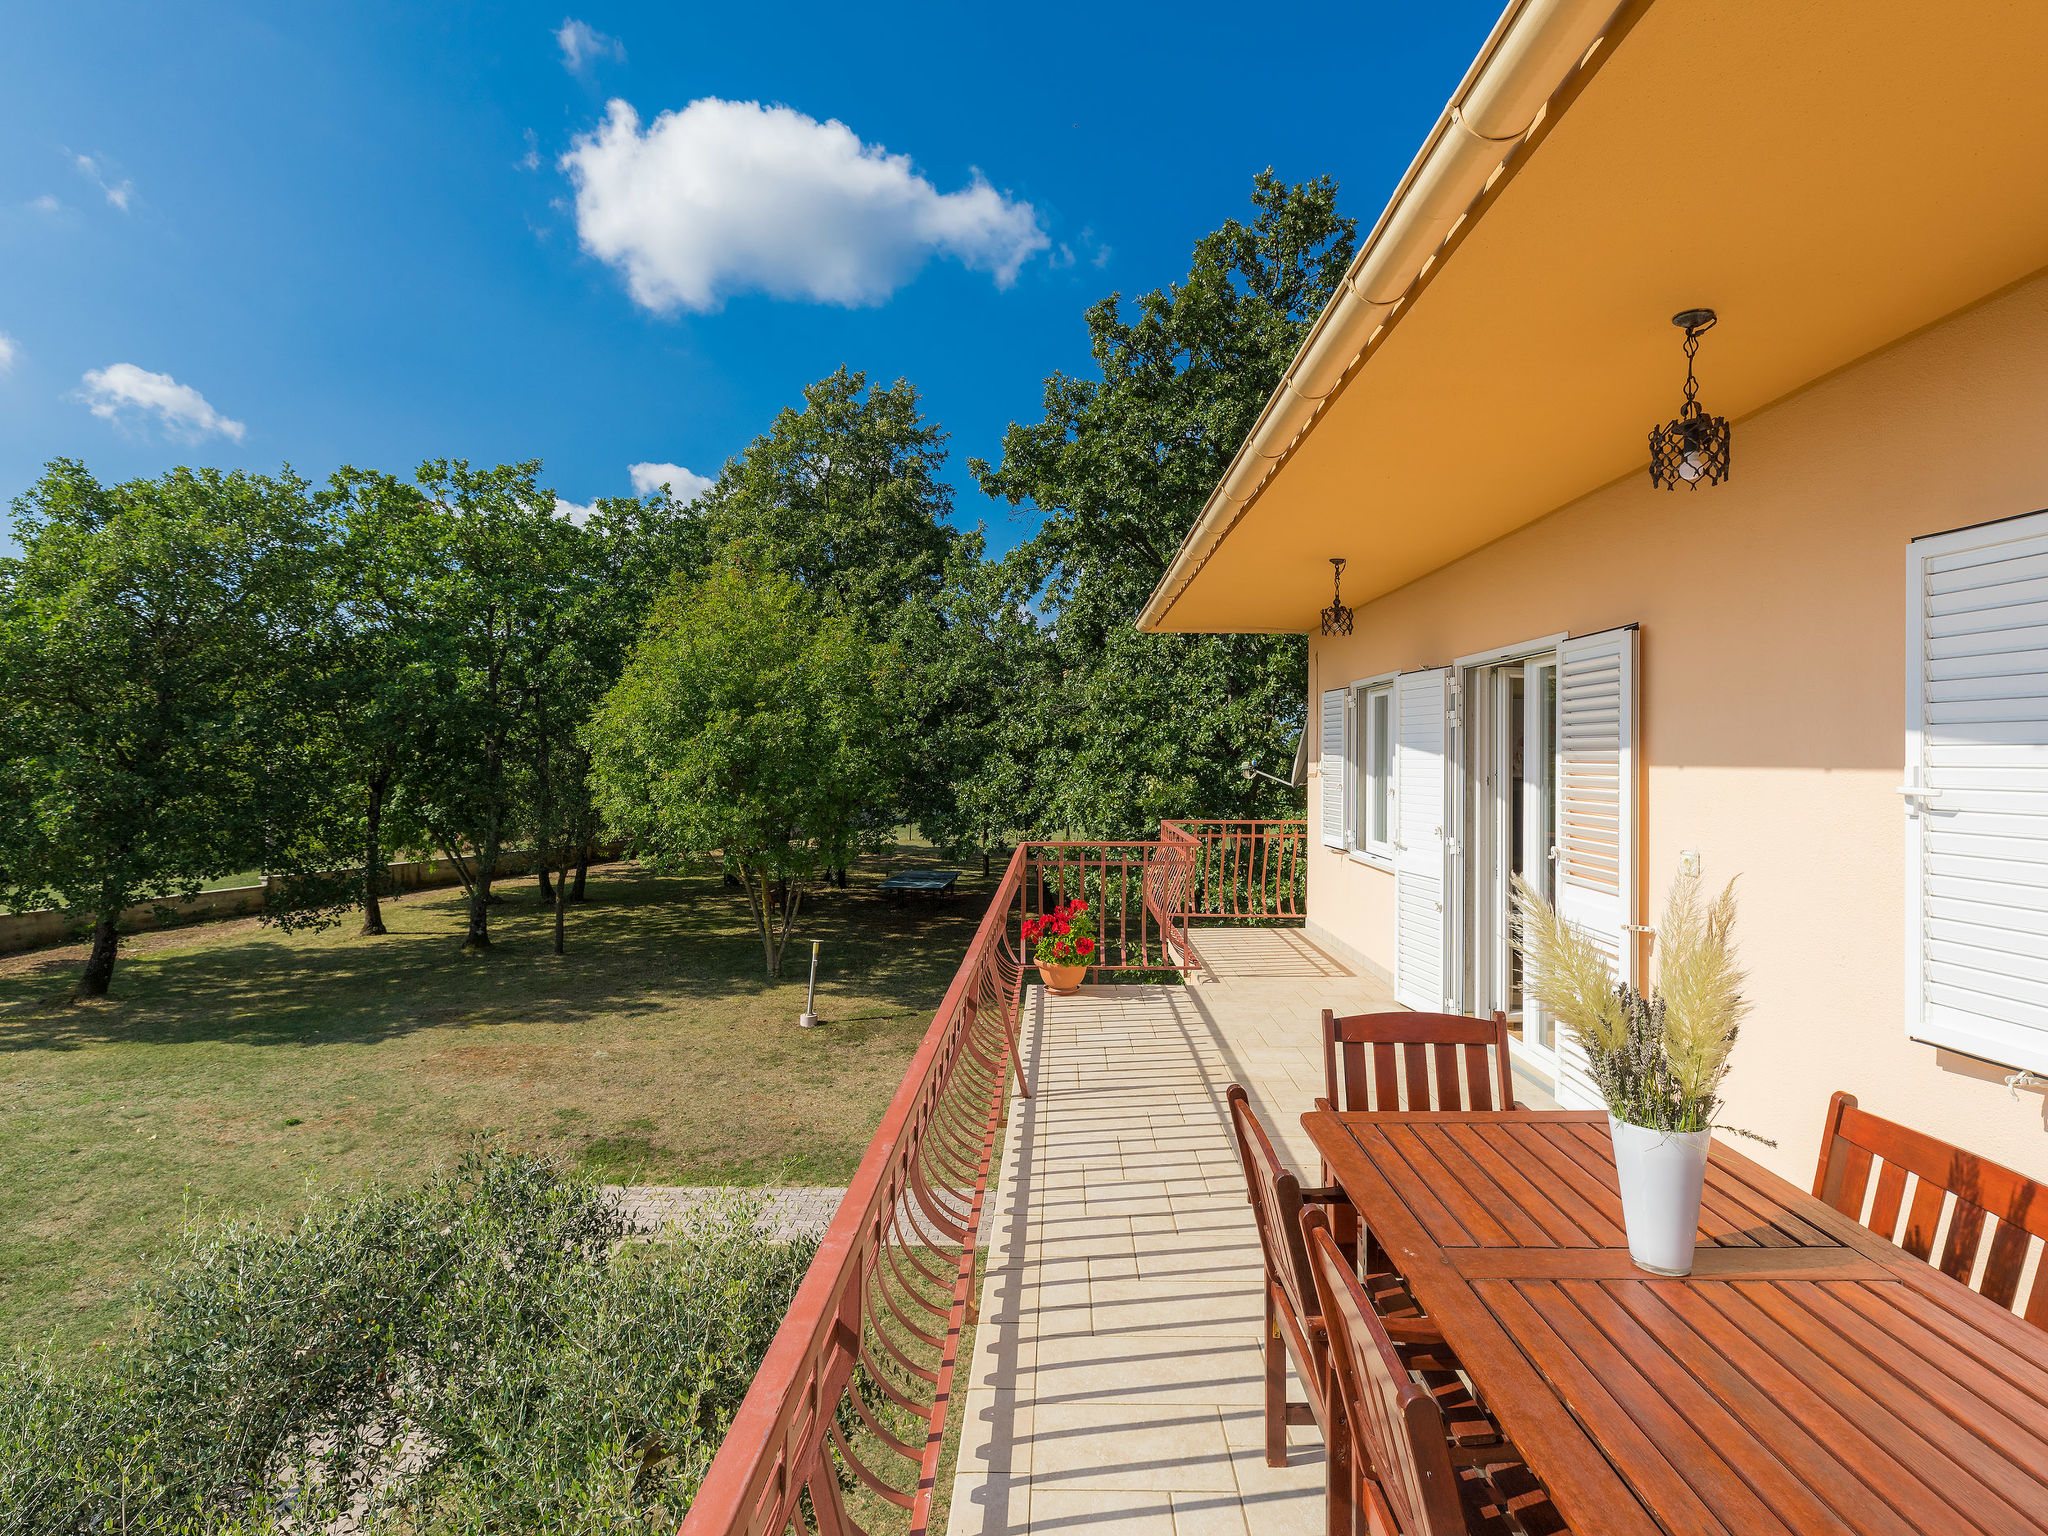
<point x="1771" y="698"/>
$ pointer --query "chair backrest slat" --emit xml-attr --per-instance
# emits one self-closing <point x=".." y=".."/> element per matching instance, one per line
<point x="1473" y="1067"/>
<point x="1399" y="1432"/>
<point x="1853" y="1139"/>
<point x="1479" y="1078"/>
<point x="1276" y="1206"/>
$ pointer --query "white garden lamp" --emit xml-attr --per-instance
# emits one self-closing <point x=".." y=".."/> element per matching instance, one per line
<point x="808" y="1019"/>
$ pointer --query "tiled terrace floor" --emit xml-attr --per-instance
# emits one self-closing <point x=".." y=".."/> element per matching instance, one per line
<point x="1115" y="1380"/>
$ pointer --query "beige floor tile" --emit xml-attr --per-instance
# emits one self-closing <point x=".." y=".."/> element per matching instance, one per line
<point x="1168" y="1447"/>
<point x="1073" y="1511"/>
<point x="986" y="1504"/>
<point x="1138" y="1367"/>
<point x="1001" y="1356"/>
<point x="1209" y="1514"/>
<point x="1198" y="1303"/>
<point x="995" y="1432"/>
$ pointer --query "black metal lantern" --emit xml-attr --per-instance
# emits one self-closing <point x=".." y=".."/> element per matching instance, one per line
<point x="1693" y="449"/>
<point x="1336" y="617"/>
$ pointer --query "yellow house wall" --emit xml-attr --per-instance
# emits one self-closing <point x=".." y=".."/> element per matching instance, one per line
<point x="1772" y="699"/>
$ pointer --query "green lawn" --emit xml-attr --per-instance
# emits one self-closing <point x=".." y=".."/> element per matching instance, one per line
<point x="238" y="1069"/>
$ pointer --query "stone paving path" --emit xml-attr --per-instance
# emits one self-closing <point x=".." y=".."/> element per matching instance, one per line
<point x="791" y="1213"/>
<point x="1115" y="1380"/>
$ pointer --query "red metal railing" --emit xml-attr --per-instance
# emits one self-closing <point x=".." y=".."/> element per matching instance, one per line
<point x="1136" y="890"/>
<point x="1244" y="869"/>
<point x="854" y="1390"/>
<point x="860" y="1375"/>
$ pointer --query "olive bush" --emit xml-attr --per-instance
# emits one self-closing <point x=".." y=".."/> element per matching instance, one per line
<point x="489" y="1352"/>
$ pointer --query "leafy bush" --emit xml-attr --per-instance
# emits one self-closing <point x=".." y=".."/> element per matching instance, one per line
<point x="482" y="1354"/>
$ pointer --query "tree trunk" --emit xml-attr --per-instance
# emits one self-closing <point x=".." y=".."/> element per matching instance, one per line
<point x="99" y="965"/>
<point x="561" y="901"/>
<point x="839" y="877"/>
<point x="479" y="934"/>
<point x="373" y="860"/>
<point x="547" y="889"/>
<point x="984" y="863"/>
<point x="582" y="869"/>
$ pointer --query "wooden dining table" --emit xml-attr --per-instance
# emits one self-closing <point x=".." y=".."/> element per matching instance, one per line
<point x="1808" y="1376"/>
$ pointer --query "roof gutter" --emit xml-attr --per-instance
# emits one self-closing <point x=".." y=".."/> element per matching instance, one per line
<point x="1534" y="49"/>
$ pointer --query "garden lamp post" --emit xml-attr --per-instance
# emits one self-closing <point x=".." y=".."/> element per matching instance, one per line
<point x="809" y="1018"/>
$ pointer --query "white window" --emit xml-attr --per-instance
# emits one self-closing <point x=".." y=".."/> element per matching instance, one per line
<point x="1372" y="740"/>
<point x="1976" y="791"/>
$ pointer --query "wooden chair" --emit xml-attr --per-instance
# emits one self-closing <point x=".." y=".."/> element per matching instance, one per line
<point x="1401" y="1046"/>
<point x="1412" y="1453"/>
<point x="1854" y="1140"/>
<point x="1293" y="1323"/>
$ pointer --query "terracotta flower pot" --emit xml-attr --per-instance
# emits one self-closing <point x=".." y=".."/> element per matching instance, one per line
<point x="1062" y="980"/>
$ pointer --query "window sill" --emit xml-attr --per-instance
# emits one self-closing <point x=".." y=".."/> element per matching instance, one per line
<point x="1380" y="861"/>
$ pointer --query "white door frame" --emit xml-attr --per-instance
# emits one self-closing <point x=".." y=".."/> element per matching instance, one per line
<point x="1467" y="739"/>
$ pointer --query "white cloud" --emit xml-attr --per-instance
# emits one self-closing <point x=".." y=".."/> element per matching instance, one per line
<point x="682" y="484"/>
<point x="580" y="43"/>
<point x="731" y="196"/>
<point x="180" y="408"/>
<point x="9" y="351"/>
<point x="117" y="191"/>
<point x="46" y="204"/>
<point x="577" y="514"/>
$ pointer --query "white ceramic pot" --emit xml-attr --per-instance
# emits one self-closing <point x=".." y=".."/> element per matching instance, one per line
<point x="1662" y="1174"/>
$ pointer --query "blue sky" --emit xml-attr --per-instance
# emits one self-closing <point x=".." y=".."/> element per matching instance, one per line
<point x="245" y="234"/>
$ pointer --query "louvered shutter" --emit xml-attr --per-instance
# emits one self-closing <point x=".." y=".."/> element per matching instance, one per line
<point x="1976" y="798"/>
<point x="1332" y="785"/>
<point x="1420" y="731"/>
<point x="1596" y="817"/>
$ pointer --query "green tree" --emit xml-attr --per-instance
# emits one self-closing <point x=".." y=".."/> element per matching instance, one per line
<point x="1120" y="466"/>
<point x="972" y="671"/>
<point x="154" y="639"/>
<point x="503" y="565"/>
<point x="388" y="662"/>
<point x="749" y="724"/>
<point x="843" y="495"/>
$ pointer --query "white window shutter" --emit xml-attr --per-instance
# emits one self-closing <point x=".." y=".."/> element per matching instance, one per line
<point x="1332" y="786"/>
<point x="1977" y="802"/>
<point x="1420" y="763"/>
<point x="1596" y="817"/>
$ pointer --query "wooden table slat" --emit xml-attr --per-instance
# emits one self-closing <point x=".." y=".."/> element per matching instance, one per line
<point x="1947" y="1457"/>
<point x="1516" y="1185"/>
<point x="1514" y="1220"/>
<point x="1583" y="1485"/>
<point x="1464" y="1206"/>
<point x="1591" y="1396"/>
<point x="1992" y="1376"/>
<point x="1728" y="1440"/>
<point x="1808" y="1377"/>
<point x="1602" y="1203"/>
<point x="1707" y="1264"/>
<point x="1852" y="1476"/>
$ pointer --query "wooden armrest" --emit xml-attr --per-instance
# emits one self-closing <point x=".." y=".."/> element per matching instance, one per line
<point x="1328" y="1194"/>
<point x="1521" y="1106"/>
<point x="1325" y="1106"/>
<point x="1501" y="1453"/>
<point x="1412" y="1330"/>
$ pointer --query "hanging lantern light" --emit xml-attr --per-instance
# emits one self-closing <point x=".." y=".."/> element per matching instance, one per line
<point x="1336" y="617"/>
<point x="1693" y="449"/>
